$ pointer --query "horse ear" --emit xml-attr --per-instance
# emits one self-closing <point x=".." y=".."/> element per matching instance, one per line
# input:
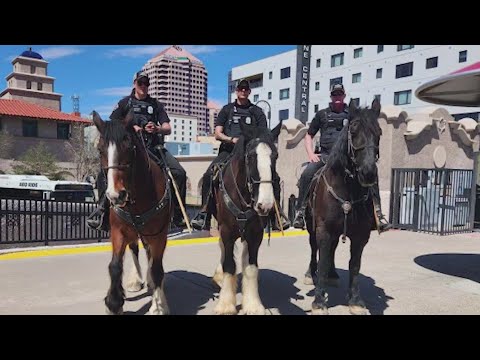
<point x="352" y="106"/>
<point x="376" y="107"/>
<point x="276" y="131"/>
<point x="128" y="119"/>
<point x="97" y="120"/>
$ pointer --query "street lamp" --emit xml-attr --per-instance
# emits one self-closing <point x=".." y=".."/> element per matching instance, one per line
<point x="269" y="114"/>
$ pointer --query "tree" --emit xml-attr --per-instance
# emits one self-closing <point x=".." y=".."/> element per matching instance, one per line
<point x="37" y="160"/>
<point x="6" y="144"/>
<point x="84" y="153"/>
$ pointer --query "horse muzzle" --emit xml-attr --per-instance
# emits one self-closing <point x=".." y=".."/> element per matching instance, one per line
<point x="119" y="199"/>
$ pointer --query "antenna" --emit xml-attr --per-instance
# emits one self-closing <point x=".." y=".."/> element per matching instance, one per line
<point x="76" y="103"/>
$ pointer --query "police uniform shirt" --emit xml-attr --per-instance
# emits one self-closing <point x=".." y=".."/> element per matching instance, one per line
<point x="330" y="123"/>
<point x="257" y="112"/>
<point x="156" y="110"/>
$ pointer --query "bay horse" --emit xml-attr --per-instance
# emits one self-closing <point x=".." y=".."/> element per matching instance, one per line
<point x="340" y="204"/>
<point x="139" y="194"/>
<point x="243" y="197"/>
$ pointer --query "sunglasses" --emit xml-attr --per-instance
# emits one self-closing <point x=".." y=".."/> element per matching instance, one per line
<point x="337" y="94"/>
<point x="243" y="89"/>
<point x="143" y="82"/>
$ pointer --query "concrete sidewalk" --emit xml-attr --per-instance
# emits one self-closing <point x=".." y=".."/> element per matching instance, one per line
<point x="402" y="273"/>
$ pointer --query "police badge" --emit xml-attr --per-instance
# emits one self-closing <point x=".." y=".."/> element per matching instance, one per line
<point x="248" y="120"/>
<point x="150" y="110"/>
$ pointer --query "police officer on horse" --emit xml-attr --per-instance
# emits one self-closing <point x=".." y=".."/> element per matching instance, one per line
<point x="151" y="121"/>
<point x="330" y="121"/>
<point x="227" y="130"/>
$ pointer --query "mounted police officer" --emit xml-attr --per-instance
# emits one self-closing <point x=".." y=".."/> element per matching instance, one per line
<point x="330" y="121"/>
<point x="152" y="122"/>
<point x="227" y="130"/>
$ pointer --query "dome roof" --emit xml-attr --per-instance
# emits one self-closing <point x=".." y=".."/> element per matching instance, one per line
<point x="31" y="54"/>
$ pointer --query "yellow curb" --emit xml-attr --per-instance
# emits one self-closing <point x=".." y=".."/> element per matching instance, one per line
<point x="108" y="247"/>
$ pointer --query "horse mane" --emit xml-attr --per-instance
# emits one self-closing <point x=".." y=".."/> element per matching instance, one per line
<point x="263" y="134"/>
<point x="338" y="158"/>
<point x="114" y="132"/>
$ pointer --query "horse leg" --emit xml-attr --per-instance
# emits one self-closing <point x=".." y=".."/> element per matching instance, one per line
<point x="251" y="303"/>
<point x="157" y="249"/>
<point x="218" y="275"/>
<point x="333" y="278"/>
<point x="115" y="295"/>
<point x="311" y="274"/>
<point x="135" y="282"/>
<point x="150" y="284"/>
<point x="324" y="244"/>
<point x="227" y="302"/>
<point x="355" y="302"/>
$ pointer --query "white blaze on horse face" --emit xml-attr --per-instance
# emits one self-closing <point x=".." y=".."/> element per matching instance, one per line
<point x="112" y="161"/>
<point x="265" y="191"/>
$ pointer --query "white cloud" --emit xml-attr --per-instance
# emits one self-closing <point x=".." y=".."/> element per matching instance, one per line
<point x="152" y="50"/>
<point x="57" y="52"/>
<point x="114" y="91"/>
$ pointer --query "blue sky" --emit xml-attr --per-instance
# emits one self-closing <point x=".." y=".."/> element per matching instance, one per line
<point x="102" y="74"/>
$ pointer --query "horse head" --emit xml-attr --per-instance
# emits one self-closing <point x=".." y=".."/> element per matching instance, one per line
<point x="117" y="153"/>
<point x="260" y="154"/>
<point x="363" y="141"/>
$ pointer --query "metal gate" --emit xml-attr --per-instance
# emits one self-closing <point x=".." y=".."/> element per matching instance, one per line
<point x="440" y="201"/>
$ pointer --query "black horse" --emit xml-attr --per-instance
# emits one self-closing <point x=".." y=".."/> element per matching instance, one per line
<point x="243" y="197"/>
<point x="341" y="205"/>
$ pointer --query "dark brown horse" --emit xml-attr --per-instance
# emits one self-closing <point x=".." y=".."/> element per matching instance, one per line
<point x="243" y="195"/>
<point x="341" y="205"/>
<point x="140" y="208"/>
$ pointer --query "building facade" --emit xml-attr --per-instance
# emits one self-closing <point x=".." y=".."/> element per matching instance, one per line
<point x="184" y="128"/>
<point x="296" y="83"/>
<point x="179" y="81"/>
<point x="29" y="81"/>
<point x="213" y="110"/>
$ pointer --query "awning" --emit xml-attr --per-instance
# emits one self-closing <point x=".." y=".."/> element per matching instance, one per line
<point x="460" y="88"/>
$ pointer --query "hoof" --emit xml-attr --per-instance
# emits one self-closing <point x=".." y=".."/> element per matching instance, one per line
<point x="357" y="310"/>
<point x="319" y="309"/>
<point x="158" y="311"/>
<point x="253" y="310"/>
<point x="109" y="312"/>
<point x="135" y="286"/>
<point x="225" y="309"/>
<point x="308" y="280"/>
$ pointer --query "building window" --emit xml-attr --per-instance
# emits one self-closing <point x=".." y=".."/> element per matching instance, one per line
<point x="285" y="73"/>
<point x="32" y="69"/>
<point x="402" y="97"/>
<point x="462" y="56"/>
<point x="269" y="95"/>
<point x="284" y="94"/>
<point x="39" y="86"/>
<point x="319" y="62"/>
<point x="432" y="62"/>
<point x="336" y="60"/>
<point x="315" y="108"/>
<point x="356" y="78"/>
<point x="317" y="85"/>
<point x="29" y="84"/>
<point x="255" y="97"/>
<point x="338" y="80"/>
<point x="63" y="131"/>
<point x="404" y="70"/>
<point x="283" y="115"/>
<point x="379" y="73"/>
<point x="270" y="75"/>
<point x="357" y="53"/>
<point x="404" y="47"/>
<point x="378" y="97"/>
<point x="356" y="101"/>
<point x="379" y="49"/>
<point x="30" y="128"/>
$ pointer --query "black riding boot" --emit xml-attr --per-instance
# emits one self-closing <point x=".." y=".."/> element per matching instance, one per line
<point x="299" y="221"/>
<point x="99" y="219"/>
<point x="202" y="220"/>
<point x="285" y="222"/>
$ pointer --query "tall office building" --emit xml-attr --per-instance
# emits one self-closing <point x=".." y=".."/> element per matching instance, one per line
<point x="179" y="81"/>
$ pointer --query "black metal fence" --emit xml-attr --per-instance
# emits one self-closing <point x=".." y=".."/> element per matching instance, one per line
<point x="45" y="221"/>
<point x="439" y="201"/>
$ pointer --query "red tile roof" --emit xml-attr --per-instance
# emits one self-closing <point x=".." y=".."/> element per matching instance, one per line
<point x="25" y="109"/>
